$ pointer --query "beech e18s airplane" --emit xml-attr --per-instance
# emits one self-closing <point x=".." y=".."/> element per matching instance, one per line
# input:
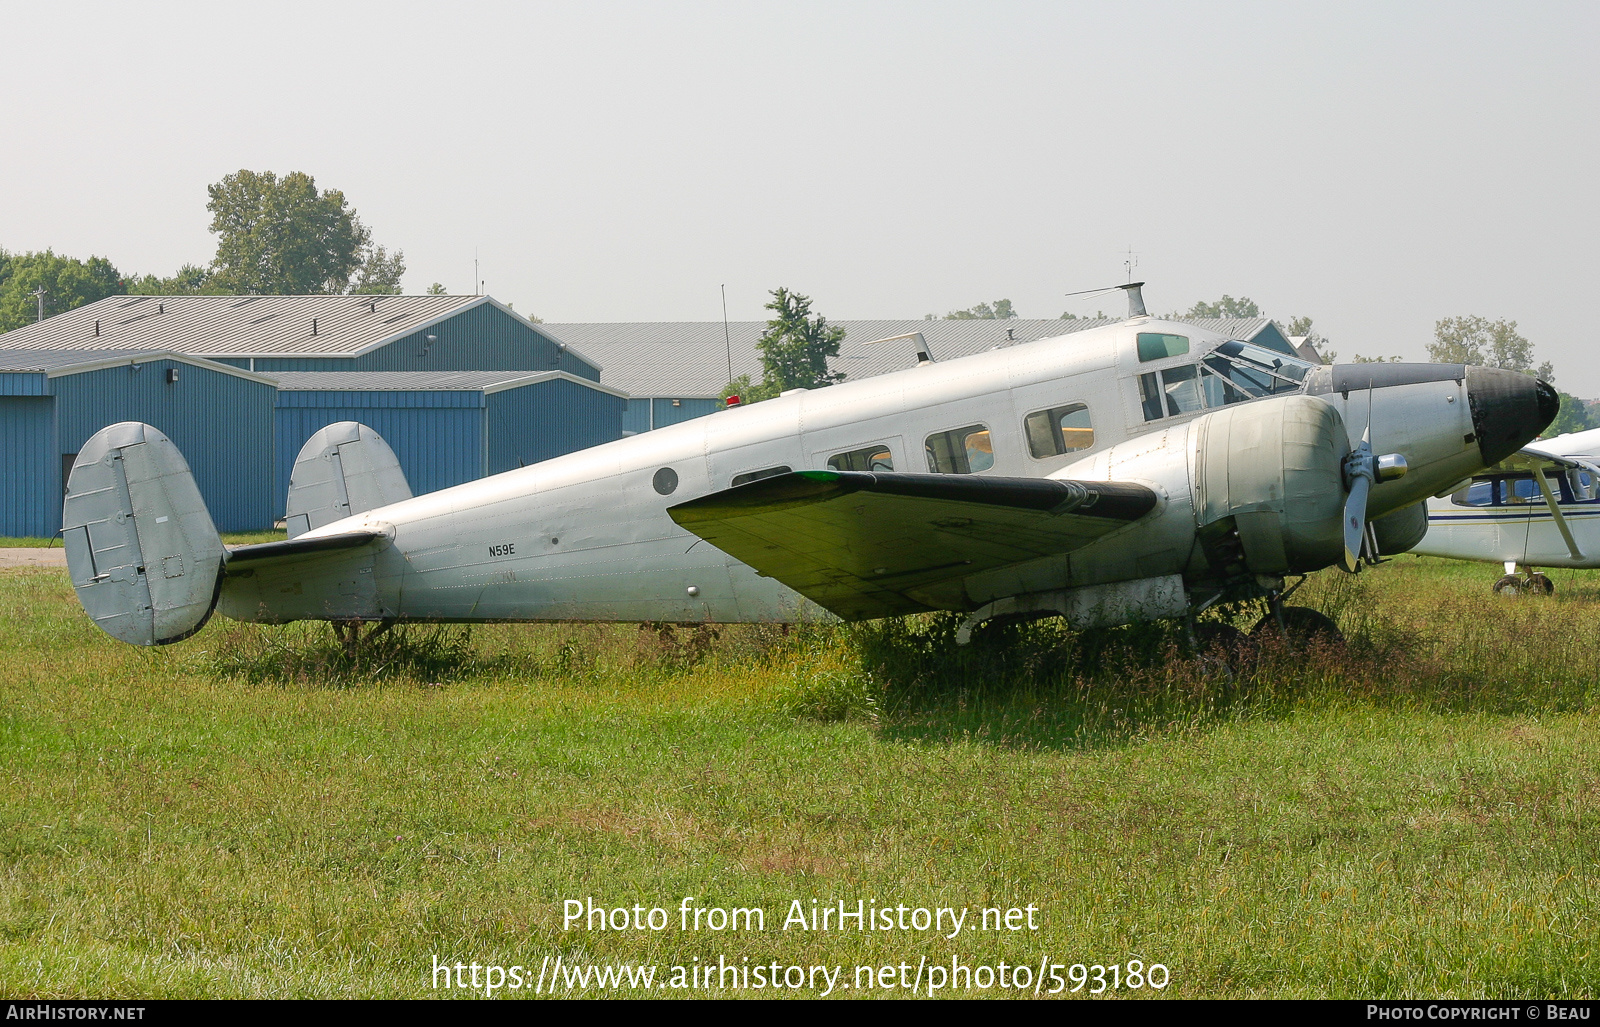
<point x="1539" y="507"/>
<point x="1142" y="470"/>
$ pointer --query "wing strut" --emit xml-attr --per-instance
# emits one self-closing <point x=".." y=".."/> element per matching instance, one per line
<point x="1555" y="511"/>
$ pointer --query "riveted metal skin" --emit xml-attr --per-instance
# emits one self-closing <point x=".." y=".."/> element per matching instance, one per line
<point x="142" y="551"/>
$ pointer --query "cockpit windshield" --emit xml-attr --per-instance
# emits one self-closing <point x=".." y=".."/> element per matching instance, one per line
<point x="1256" y="370"/>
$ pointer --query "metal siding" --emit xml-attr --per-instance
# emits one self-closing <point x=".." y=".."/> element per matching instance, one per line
<point x="30" y="468"/>
<point x="221" y="423"/>
<point x="438" y="436"/>
<point x="686" y="410"/>
<point x="637" y="417"/>
<point x="24" y="383"/>
<point x="549" y="419"/>
<point x="482" y="338"/>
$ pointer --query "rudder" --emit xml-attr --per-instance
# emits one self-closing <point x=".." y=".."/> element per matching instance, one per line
<point x="343" y="469"/>
<point x="142" y="551"/>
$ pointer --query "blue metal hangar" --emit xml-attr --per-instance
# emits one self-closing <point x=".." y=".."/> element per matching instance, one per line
<point x="51" y="401"/>
<point x="398" y="363"/>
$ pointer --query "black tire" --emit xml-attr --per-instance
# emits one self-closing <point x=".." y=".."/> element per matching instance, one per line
<point x="1223" y="646"/>
<point x="1510" y="585"/>
<point x="1540" y="585"/>
<point x="1303" y="626"/>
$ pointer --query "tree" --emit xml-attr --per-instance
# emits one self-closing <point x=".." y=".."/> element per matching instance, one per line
<point x="67" y="283"/>
<point x="436" y="289"/>
<point x="285" y="236"/>
<point x="1300" y="328"/>
<point x="379" y="272"/>
<point x="1574" y="415"/>
<point x="1000" y="311"/>
<point x="1477" y="340"/>
<point x="794" y="350"/>
<point x="1227" y="306"/>
<point x="190" y="280"/>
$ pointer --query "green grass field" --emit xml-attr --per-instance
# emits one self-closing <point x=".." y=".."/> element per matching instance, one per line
<point x="253" y="813"/>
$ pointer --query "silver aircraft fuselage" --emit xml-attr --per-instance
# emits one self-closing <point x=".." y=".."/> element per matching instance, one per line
<point x="587" y="536"/>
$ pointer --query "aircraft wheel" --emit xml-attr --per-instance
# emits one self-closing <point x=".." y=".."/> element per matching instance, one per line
<point x="1540" y="585"/>
<point x="1510" y="585"/>
<point x="1303" y="625"/>
<point x="1222" y="646"/>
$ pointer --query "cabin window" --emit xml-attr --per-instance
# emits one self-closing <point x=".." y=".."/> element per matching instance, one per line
<point x="1058" y="430"/>
<point x="766" y="472"/>
<point x="1479" y="493"/>
<point x="1523" y="490"/>
<point x="1170" y="392"/>
<point x="871" y="458"/>
<point x="961" y="450"/>
<point x="1156" y="346"/>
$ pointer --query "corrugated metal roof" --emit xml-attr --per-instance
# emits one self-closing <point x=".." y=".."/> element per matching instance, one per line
<point x="74" y="361"/>
<point x="423" y="381"/>
<point x="232" y="326"/>
<point x="53" y="360"/>
<point x="690" y="358"/>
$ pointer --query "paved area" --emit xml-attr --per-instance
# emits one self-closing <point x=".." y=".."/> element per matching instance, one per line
<point x="56" y="557"/>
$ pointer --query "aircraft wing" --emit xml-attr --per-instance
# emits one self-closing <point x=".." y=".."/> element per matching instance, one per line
<point x="863" y="545"/>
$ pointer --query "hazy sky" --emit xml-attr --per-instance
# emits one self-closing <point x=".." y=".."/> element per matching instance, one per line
<point x="1375" y="165"/>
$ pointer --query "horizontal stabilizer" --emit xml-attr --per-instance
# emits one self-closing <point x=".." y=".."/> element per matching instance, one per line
<point x="343" y="469"/>
<point x="297" y="547"/>
<point x="865" y="544"/>
<point x="142" y="551"/>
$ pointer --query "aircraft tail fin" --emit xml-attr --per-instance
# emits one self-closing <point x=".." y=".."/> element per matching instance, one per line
<point x="344" y="469"/>
<point x="142" y="551"/>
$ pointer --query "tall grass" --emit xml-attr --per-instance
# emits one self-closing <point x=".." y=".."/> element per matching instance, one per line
<point x="264" y="811"/>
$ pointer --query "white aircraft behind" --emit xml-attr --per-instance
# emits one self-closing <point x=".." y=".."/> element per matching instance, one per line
<point x="1540" y="507"/>
<point x="1142" y="470"/>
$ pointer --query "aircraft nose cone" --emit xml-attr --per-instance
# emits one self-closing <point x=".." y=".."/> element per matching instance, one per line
<point x="1509" y="410"/>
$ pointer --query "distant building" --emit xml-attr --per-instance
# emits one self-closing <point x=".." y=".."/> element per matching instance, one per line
<point x="52" y="401"/>
<point x="460" y="386"/>
<point x="676" y="370"/>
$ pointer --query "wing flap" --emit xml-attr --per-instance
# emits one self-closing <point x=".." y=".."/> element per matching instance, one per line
<point x="867" y="545"/>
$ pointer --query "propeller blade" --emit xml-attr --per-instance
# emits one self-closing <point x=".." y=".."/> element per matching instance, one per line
<point x="1355" y="521"/>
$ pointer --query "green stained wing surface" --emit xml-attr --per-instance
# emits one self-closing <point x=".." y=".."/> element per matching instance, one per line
<point x="865" y="545"/>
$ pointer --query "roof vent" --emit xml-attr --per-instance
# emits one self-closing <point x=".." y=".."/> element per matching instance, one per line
<point x="161" y="308"/>
<point x="313" y="326"/>
<point x="1011" y="335"/>
<point x="97" y="329"/>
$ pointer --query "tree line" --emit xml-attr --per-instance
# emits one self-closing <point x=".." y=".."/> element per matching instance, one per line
<point x="274" y="236"/>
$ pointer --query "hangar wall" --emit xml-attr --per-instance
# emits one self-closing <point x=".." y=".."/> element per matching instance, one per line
<point x="221" y="423"/>
<point x="438" y="436"/>
<point x="30" y="504"/>
<point x="549" y="419"/>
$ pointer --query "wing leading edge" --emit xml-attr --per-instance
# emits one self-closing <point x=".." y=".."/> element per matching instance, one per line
<point x="866" y="545"/>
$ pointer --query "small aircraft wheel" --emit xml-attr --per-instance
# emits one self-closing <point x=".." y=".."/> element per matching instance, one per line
<point x="1510" y="585"/>
<point x="1540" y="585"/>
<point x="1303" y="625"/>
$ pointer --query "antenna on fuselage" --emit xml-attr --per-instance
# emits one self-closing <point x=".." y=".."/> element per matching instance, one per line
<point x="1135" y="297"/>
<point x="924" y="355"/>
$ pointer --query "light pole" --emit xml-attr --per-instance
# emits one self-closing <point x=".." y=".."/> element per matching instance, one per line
<point x="39" y="293"/>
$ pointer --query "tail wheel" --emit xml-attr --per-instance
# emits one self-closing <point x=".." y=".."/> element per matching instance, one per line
<point x="1540" y="585"/>
<point x="1510" y="585"/>
<point x="1302" y="626"/>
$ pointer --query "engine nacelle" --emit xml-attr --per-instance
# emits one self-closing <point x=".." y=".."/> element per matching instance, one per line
<point x="1267" y="486"/>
